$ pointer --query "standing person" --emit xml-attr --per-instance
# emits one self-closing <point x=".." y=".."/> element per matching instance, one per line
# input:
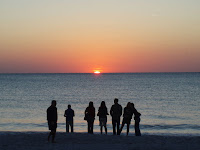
<point x="116" y="112"/>
<point x="137" y="121"/>
<point x="69" y="114"/>
<point x="127" y="116"/>
<point x="52" y="117"/>
<point x="90" y="117"/>
<point x="102" y="113"/>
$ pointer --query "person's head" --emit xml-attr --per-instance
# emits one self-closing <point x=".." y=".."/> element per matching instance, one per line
<point x="91" y="104"/>
<point x="69" y="106"/>
<point x="129" y="104"/>
<point x="115" y="100"/>
<point x="53" y="103"/>
<point x="133" y="105"/>
<point x="103" y="104"/>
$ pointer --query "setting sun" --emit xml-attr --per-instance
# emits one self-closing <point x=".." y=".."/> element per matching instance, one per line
<point x="97" y="72"/>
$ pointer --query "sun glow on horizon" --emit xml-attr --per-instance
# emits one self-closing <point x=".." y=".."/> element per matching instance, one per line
<point x="97" y="72"/>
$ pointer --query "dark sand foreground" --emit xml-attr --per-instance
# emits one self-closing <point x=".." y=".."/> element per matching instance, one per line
<point x="84" y="141"/>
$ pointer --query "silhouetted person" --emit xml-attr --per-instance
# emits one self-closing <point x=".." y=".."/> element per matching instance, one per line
<point x="116" y="112"/>
<point x="137" y="121"/>
<point x="90" y="117"/>
<point x="127" y="116"/>
<point x="102" y="113"/>
<point x="69" y="114"/>
<point x="52" y="118"/>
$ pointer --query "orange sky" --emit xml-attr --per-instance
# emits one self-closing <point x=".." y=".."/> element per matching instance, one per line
<point x="114" y="36"/>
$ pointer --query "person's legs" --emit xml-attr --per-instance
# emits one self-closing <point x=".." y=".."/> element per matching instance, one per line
<point x="114" y="126"/>
<point x="52" y="127"/>
<point x="118" y="123"/>
<point x="88" y="126"/>
<point x="105" y="129"/>
<point x="101" y="125"/>
<point x="137" y="128"/>
<point x="49" y="136"/>
<point x="49" y="124"/>
<point x="67" y="128"/>
<point x="70" y="123"/>
<point x="53" y="135"/>
<point x="105" y="125"/>
<point x="101" y="129"/>
<point x="72" y="126"/>
<point x="128" y="125"/>
<point x="92" y="125"/>
<point x="121" y="127"/>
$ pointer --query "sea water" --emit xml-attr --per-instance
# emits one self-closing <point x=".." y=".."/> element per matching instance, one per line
<point x="169" y="102"/>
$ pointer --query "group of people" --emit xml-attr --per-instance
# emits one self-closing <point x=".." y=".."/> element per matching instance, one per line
<point x="115" y="112"/>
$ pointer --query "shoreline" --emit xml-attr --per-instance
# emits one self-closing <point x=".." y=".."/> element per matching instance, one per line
<point x="38" y="140"/>
<point x="131" y="134"/>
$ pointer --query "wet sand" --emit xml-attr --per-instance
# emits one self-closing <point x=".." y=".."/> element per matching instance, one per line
<point x="84" y="141"/>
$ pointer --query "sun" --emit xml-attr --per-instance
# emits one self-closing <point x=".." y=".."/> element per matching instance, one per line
<point x="97" y="72"/>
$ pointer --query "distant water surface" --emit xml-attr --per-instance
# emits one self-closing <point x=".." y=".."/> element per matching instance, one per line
<point x="169" y="102"/>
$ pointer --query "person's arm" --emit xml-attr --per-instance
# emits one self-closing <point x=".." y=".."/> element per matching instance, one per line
<point x="98" y="112"/>
<point x="107" y="112"/>
<point x="138" y="114"/>
<point x="120" y="110"/>
<point x="111" y="111"/>
<point x="124" y="111"/>
<point x="73" y="113"/>
<point x="56" y="115"/>
<point x="86" y="111"/>
<point x="92" y="112"/>
<point x="47" y="115"/>
<point x="65" y="114"/>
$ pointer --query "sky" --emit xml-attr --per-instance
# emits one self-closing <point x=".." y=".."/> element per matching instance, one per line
<point x="112" y="36"/>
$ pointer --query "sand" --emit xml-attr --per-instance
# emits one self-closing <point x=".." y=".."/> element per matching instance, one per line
<point x="84" y="141"/>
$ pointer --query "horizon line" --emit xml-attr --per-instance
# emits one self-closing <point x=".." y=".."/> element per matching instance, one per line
<point x="92" y="72"/>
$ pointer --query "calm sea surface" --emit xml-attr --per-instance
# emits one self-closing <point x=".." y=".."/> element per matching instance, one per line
<point x="169" y="102"/>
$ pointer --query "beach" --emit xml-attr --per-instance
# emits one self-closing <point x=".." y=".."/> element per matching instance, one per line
<point x="84" y="141"/>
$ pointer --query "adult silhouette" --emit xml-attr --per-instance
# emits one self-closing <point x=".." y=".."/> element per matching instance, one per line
<point x="102" y="113"/>
<point x="127" y="116"/>
<point x="52" y="117"/>
<point x="69" y="114"/>
<point x="90" y="117"/>
<point x="116" y="112"/>
<point x="137" y="120"/>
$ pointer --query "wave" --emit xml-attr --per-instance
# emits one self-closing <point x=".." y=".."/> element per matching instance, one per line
<point x="142" y="126"/>
<point x="173" y="126"/>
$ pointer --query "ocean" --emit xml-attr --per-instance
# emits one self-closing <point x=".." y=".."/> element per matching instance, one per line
<point x="169" y="102"/>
